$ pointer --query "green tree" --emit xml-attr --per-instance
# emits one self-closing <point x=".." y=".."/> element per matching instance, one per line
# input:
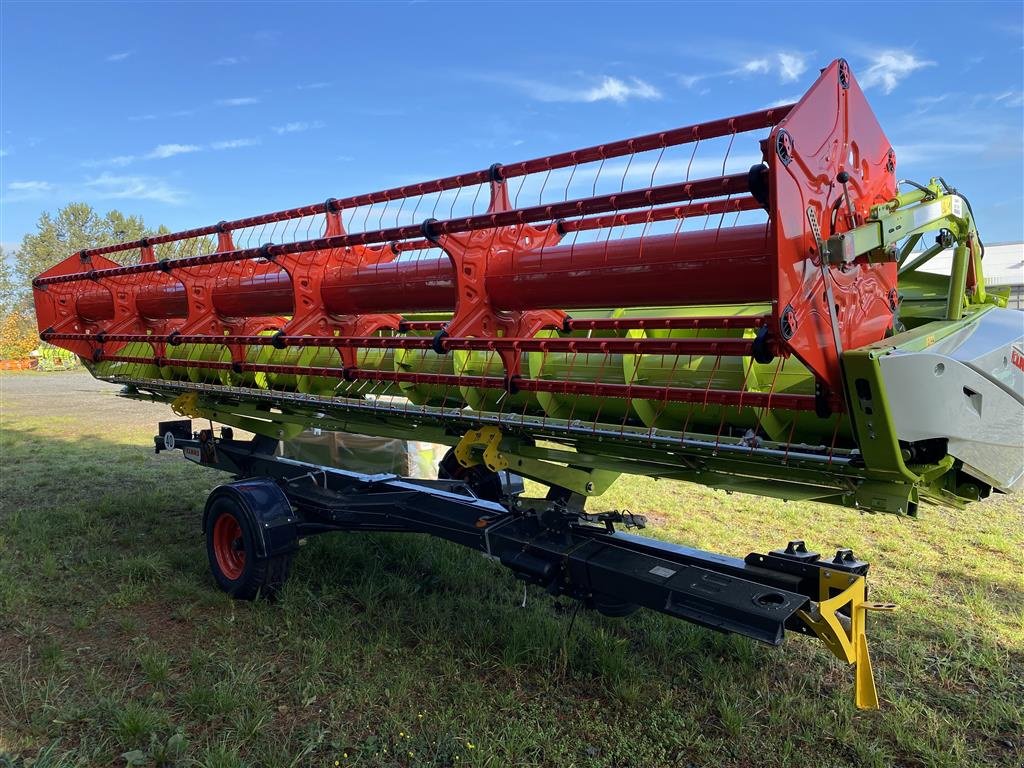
<point x="78" y="226"/>
<point x="11" y="294"/>
<point x="74" y="227"/>
<point x="177" y="249"/>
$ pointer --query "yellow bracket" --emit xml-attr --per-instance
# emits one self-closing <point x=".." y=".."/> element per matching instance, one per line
<point x="845" y="633"/>
<point x="488" y="438"/>
<point x="484" y="446"/>
<point x="186" y="404"/>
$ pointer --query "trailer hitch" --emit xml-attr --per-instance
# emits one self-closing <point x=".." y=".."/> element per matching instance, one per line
<point x="840" y="621"/>
<point x="837" y="610"/>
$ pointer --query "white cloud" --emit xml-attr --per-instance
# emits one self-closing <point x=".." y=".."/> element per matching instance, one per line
<point x="164" y="151"/>
<point x="103" y="187"/>
<point x="312" y="86"/>
<point x="117" y="57"/>
<point x="296" y="127"/>
<point x="924" y="103"/>
<point x="889" y="67"/>
<point x="21" y="191"/>
<point x="981" y="130"/>
<point x="757" y="67"/>
<point x="788" y="66"/>
<point x="791" y="66"/>
<point x="141" y="118"/>
<point x="606" y="89"/>
<point x="234" y="143"/>
<point x="229" y="61"/>
<point x="783" y="101"/>
<point x="118" y="160"/>
<point x="1013" y="99"/>
<point x="959" y="101"/>
<point x="241" y="101"/>
<point x="619" y="91"/>
<point x="30" y="186"/>
<point x="4" y="152"/>
<point x="110" y="187"/>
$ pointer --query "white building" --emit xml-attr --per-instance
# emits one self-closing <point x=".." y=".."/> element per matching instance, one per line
<point x="1002" y="265"/>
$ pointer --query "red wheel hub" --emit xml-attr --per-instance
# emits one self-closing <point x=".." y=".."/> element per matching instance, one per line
<point x="229" y="546"/>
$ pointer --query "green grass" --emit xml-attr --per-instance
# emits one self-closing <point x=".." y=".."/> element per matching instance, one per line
<point x="391" y="650"/>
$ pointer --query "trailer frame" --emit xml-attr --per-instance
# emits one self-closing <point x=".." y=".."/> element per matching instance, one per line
<point x="254" y="525"/>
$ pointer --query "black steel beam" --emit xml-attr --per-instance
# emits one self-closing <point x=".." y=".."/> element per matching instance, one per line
<point x="542" y="541"/>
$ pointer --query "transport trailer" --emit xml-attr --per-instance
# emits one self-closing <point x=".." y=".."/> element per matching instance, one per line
<point x="253" y="526"/>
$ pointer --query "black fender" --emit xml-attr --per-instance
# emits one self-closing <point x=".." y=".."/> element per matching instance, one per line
<point x="266" y="510"/>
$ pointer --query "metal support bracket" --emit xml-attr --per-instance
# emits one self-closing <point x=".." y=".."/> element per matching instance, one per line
<point x="486" y="438"/>
<point x="483" y="446"/>
<point x="189" y="405"/>
<point x="839" y="619"/>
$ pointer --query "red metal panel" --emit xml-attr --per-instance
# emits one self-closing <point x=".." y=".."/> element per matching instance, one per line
<point x="267" y="291"/>
<point x="831" y="129"/>
<point x="724" y="266"/>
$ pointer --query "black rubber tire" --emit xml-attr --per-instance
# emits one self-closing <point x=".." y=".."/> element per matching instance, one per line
<point x="259" y="577"/>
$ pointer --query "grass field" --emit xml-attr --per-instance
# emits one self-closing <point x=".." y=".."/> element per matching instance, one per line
<point x="392" y="650"/>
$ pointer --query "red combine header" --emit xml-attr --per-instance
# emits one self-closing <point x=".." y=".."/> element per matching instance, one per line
<point x="755" y="322"/>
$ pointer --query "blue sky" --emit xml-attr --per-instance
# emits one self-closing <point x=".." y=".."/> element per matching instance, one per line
<point x="192" y="113"/>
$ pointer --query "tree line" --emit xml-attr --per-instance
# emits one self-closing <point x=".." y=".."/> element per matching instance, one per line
<point x="74" y="227"/>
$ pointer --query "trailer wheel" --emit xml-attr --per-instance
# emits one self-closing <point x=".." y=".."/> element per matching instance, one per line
<point x="232" y="554"/>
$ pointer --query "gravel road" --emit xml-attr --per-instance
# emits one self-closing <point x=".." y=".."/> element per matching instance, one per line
<point x="73" y="393"/>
